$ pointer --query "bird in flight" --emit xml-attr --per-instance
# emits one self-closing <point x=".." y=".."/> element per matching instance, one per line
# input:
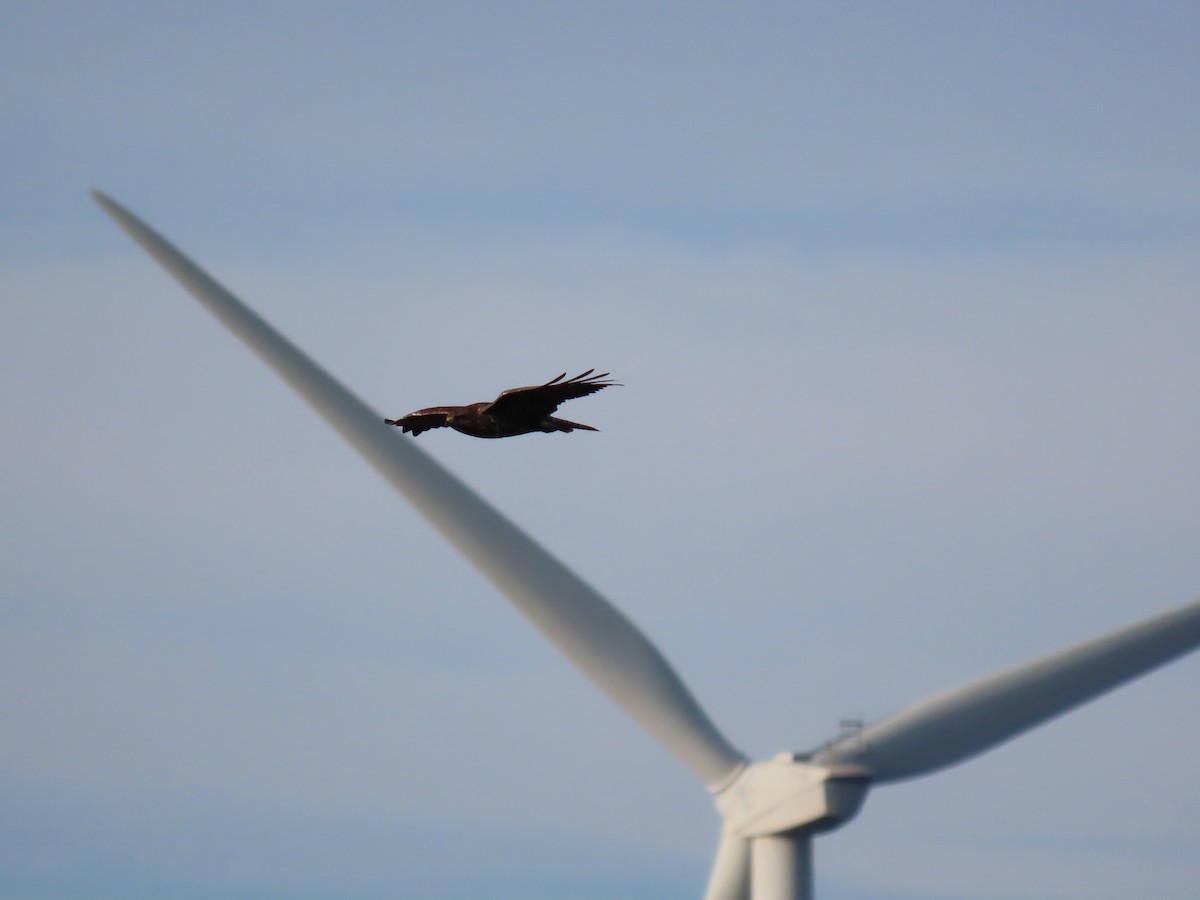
<point x="517" y="411"/>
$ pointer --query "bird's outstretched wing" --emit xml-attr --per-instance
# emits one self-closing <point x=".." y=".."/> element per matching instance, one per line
<point x="543" y="399"/>
<point x="423" y="419"/>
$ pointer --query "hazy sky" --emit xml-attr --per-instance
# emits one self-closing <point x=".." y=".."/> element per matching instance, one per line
<point x="904" y="297"/>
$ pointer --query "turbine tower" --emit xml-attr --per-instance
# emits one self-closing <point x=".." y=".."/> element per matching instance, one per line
<point x="770" y="810"/>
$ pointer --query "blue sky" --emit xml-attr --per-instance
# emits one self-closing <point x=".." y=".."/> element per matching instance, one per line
<point x="904" y="297"/>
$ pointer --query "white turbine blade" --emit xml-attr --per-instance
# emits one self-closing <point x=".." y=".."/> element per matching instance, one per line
<point x="968" y="720"/>
<point x="587" y="629"/>
<point x="730" y="878"/>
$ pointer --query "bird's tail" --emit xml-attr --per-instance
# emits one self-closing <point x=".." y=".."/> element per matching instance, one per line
<point x="550" y="424"/>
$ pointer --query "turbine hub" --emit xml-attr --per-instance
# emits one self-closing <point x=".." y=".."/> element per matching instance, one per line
<point x="786" y="794"/>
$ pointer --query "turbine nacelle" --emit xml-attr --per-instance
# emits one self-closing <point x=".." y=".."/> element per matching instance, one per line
<point x="787" y="794"/>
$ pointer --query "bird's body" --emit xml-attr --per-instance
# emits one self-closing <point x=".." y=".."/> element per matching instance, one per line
<point x="517" y="411"/>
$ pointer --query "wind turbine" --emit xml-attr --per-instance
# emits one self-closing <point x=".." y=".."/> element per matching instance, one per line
<point x="770" y="809"/>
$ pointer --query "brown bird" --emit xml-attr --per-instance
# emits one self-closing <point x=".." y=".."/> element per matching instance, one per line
<point x="518" y="411"/>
